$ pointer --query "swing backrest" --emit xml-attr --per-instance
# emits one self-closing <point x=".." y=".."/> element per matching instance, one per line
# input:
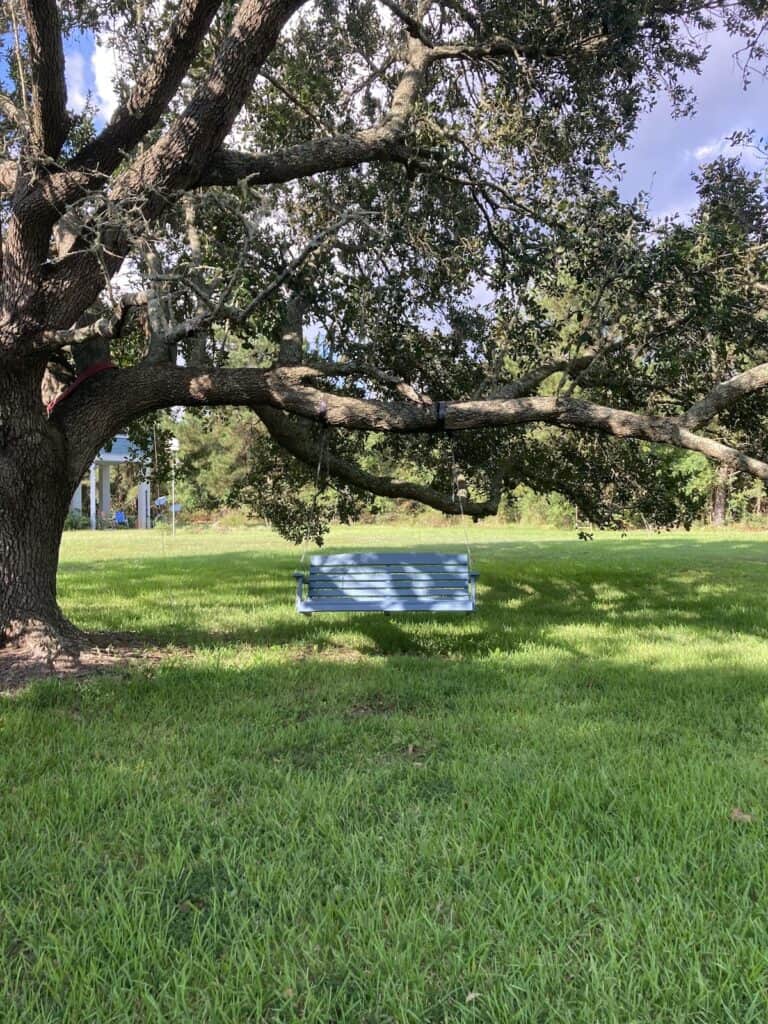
<point x="387" y="581"/>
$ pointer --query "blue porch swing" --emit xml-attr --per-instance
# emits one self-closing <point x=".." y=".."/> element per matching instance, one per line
<point x="411" y="581"/>
<point x="389" y="581"/>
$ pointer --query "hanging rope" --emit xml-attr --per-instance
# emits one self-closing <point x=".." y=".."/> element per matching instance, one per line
<point x="460" y="492"/>
<point x="458" y="483"/>
<point x="322" y="450"/>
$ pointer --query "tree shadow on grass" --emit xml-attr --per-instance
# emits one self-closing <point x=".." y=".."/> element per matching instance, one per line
<point x="529" y="592"/>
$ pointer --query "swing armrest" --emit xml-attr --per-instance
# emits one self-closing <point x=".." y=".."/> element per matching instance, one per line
<point x="300" y="577"/>
<point x="473" y="578"/>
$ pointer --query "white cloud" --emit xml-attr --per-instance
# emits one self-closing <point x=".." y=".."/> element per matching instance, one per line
<point x="723" y="146"/>
<point x="104" y="66"/>
<point x="77" y="87"/>
<point x="667" y="150"/>
<point x="710" y="149"/>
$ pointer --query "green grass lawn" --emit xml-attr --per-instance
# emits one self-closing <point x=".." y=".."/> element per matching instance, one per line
<point x="517" y="816"/>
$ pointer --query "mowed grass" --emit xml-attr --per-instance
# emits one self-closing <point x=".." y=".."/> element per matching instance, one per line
<point x="522" y="815"/>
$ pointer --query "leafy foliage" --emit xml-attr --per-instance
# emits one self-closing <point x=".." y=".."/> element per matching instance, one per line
<point x="490" y="241"/>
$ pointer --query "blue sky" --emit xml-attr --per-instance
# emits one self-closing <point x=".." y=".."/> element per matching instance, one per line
<point x="665" y="151"/>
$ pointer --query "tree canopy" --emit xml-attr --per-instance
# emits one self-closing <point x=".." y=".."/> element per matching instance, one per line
<point x="370" y="223"/>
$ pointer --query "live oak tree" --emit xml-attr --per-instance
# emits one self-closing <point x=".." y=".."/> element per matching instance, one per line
<point x="692" y="294"/>
<point x="345" y="218"/>
<point x="722" y="255"/>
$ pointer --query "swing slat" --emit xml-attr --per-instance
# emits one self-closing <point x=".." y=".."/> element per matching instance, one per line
<point x="407" y="558"/>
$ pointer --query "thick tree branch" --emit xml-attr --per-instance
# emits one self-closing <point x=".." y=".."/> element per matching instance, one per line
<point x="49" y="88"/>
<point x="154" y="89"/>
<point x="361" y="414"/>
<point x="724" y="395"/>
<point x="229" y="166"/>
<point x="100" y="409"/>
<point x="380" y="142"/>
<point x="501" y="47"/>
<point x="301" y="445"/>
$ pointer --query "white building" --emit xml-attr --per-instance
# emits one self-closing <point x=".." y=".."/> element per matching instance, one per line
<point x="100" y="490"/>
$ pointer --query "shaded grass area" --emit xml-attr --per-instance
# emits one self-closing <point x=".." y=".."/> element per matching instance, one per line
<point x="521" y="815"/>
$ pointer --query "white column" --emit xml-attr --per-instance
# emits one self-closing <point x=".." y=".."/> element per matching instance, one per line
<point x="105" y="496"/>
<point x="143" y="520"/>
<point x="92" y="495"/>
<point x="76" y="504"/>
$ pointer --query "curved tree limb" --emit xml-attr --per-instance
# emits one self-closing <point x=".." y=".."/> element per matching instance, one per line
<point x="380" y="142"/>
<point x="298" y="443"/>
<point x="230" y="166"/>
<point x="156" y="87"/>
<point x="119" y="396"/>
<point x="724" y="395"/>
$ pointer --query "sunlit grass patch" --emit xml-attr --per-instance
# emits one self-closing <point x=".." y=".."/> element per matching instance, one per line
<point x="522" y="814"/>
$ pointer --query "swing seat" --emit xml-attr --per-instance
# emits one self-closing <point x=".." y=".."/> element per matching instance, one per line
<point x="387" y="582"/>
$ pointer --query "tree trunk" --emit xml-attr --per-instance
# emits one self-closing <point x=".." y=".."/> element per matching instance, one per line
<point x="720" y="496"/>
<point x="34" y="499"/>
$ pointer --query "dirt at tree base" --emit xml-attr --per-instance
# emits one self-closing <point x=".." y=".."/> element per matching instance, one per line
<point x="109" y="653"/>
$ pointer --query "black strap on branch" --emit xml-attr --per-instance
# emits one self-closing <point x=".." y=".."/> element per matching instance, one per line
<point x="440" y="408"/>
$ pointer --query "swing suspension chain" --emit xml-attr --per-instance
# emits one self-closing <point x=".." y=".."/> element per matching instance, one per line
<point x="458" y="486"/>
<point x="323" y="450"/>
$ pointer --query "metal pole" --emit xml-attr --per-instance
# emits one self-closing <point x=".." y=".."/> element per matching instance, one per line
<point x="173" y="495"/>
<point x="92" y="495"/>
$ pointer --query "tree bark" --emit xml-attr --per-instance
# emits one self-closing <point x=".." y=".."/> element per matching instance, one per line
<point x="720" y="495"/>
<point x="34" y="498"/>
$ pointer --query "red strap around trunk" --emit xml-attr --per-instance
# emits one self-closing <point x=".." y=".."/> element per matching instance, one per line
<point x="84" y="376"/>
